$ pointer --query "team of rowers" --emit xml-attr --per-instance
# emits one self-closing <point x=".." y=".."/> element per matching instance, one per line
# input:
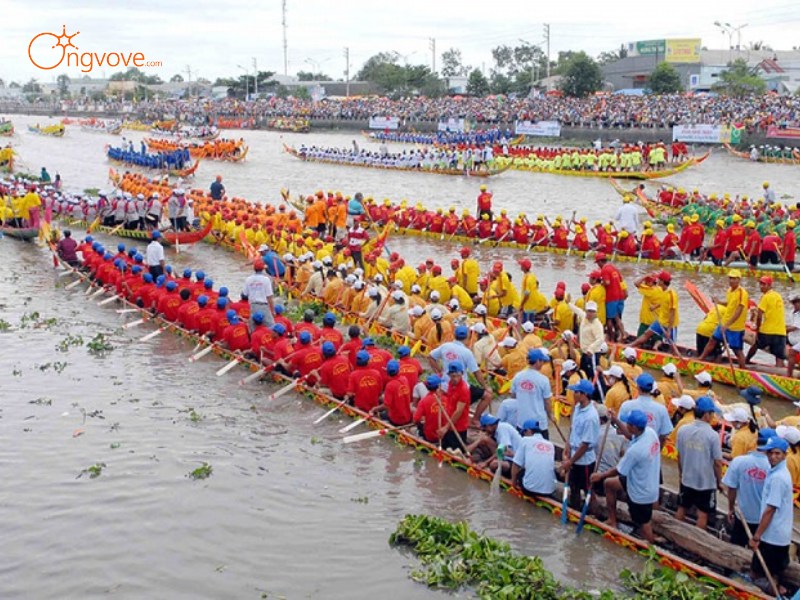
<point x="173" y="159"/>
<point x="429" y="159"/>
<point x="217" y="149"/>
<point x="620" y="416"/>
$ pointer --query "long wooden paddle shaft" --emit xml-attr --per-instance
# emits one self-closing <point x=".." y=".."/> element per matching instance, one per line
<point x="587" y="501"/>
<point x="452" y="426"/>
<point x="726" y="347"/>
<point x="760" y="557"/>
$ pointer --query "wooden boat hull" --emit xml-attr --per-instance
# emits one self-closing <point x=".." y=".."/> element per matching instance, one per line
<point x="764" y="159"/>
<point x="638" y="175"/>
<point x="6" y="129"/>
<point x="455" y="172"/>
<point x="406" y="437"/>
<point x="49" y="131"/>
<point x="136" y="126"/>
<point x="187" y="172"/>
<point x="112" y="131"/>
<point x="168" y="238"/>
<point x="24" y="233"/>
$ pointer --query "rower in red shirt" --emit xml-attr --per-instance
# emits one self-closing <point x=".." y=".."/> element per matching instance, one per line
<point x="581" y="241"/>
<point x="469" y="224"/>
<point x="457" y="400"/>
<point x="451" y="222"/>
<point x="278" y="347"/>
<point x="334" y="373"/>
<point x="560" y="235"/>
<point x="260" y="334"/>
<point x="484" y="203"/>
<point x="626" y="244"/>
<point x="520" y="231"/>
<point x="198" y="287"/>
<point x="282" y="319"/>
<point x="789" y="244"/>
<point x="187" y="312"/>
<point x="752" y="245"/>
<point x="428" y="415"/>
<point x="378" y="357"/>
<point x="352" y="346"/>
<point x="669" y="244"/>
<point x="502" y="228"/>
<point x="206" y="317"/>
<point x="695" y="235"/>
<point x="396" y="397"/>
<point x="170" y="302"/>
<point x="129" y="284"/>
<point x="307" y="324"/>
<point x="365" y="384"/>
<point x="539" y="232"/>
<point x="235" y="336"/>
<point x="718" y="244"/>
<point x="409" y="366"/>
<point x="220" y="318"/>
<point x="329" y="333"/>
<point x="157" y="293"/>
<point x="436" y="224"/>
<point x="615" y="296"/>
<point x="651" y="246"/>
<point x="303" y="360"/>
<point x="485" y="227"/>
<point x="736" y="236"/>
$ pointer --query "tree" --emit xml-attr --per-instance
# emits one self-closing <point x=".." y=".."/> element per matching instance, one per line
<point x="582" y="76"/>
<point x="134" y="74"/>
<point x="13" y="85"/>
<point x="477" y="84"/>
<point x="382" y="69"/>
<point x="606" y="58"/>
<point x="2" y="84"/>
<point x="177" y="78"/>
<point x="311" y="76"/>
<point x="665" y="79"/>
<point x="63" y="85"/>
<point x="500" y="84"/>
<point x="452" y="64"/>
<point x="739" y="80"/>
<point x="32" y="87"/>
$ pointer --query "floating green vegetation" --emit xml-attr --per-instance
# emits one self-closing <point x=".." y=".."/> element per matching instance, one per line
<point x="36" y="321"/>
<point x="94" y="471"/>
<point x="454" y="557"/>
<point x="99" y="345"/>
<point x="195" y="417"/>
<point x="202" y="472"/>
<point x="5" y="325"/>
<point x="68" y="342"/>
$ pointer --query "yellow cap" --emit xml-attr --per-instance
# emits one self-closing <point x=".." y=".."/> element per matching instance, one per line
<point x="647" y="224"/>
<point x="583" y="219"/>
<point x="735" y="273"/>
<point x="483" y="188"/>
<point x="670" y="227"/>
<point x="387" y="202"/>
<point x="695" y="218"/>
<point x="578" y="229"/>
<point x="765" y="184"/>
<point x="503" y="211"/>
<point x="750" y="224"/>
<point x="648" y="231"/>
<point x="465" y="213"/>
<point x="737" y="218"/>
<point x="439" y="211"/>
<point x="687" y="220"/>
<point x="452" y="209"/>
<point x="713" y="196"/>
<point x="597" y="223"/>
<point x="623" y="234"/>
<point x="790" y="223"/>
<point x="608" y="228"/>
<point x="627" y="198"/>
<point x="522" y="215"/>
<point x="720" y="223"/>
<point x="485" y="217"/>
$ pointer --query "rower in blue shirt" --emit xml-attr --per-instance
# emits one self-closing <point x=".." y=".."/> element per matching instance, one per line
<point x="579" y="454"/>
<point x="534" y="461"/>
<point x="744" y="481"/>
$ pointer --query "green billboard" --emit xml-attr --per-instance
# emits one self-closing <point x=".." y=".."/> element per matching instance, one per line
<point x="651" y="47"/>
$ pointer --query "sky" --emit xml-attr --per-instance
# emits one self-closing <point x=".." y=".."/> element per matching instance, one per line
<point x="220" y="39"/>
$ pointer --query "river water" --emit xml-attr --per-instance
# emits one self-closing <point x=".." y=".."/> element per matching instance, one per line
<point x="288" y="510"/>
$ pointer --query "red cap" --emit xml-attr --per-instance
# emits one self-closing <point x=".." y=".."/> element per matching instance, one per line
<point x="766" y="279"/>
<point x="421" y="267"/>
<point x="454" y="263"/>
<point x="394" y="256"/>
<point x="585" y="287"/>
<point x="484" y="281"/>
<point x="600" y="256"/>
<point x="559" y="294"/>
<point x="561" y="285"/>
<point x="665" y="277"/>
<point x="497" y="266"/>
<point x="429" y="261"/>
<point x="437" y="270"/>
<point x="451" y="281"/>
<point x="526" y="264"/>
<point x="258" y="264"/>
<point x="465" y="251"/>
<point x="595" y="274"/>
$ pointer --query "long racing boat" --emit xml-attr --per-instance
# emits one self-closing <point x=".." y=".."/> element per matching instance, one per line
<point x="795" y="160"/>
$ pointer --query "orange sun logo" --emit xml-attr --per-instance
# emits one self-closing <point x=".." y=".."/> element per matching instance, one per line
<point x="63" y="41"/>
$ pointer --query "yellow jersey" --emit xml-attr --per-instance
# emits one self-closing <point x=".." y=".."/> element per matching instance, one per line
<point x="668" y="303"/>
<point x="651" y="299"/>
<point x="532" y="299"/>
<point x="468" y="274"/>
<point x="743" y="441"/>
<point x="734" y="299"/>
<point x="773" y="320"/>
<point x="597" y="294"/>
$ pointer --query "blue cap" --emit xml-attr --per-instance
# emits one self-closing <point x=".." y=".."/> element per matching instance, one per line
<point x="329" y="319"/>
<point x="752" y="395"/>
<point x="258" y="317"/>
<point x="645" y="382"/>
<point x="775" y="443"/>
<point x="536" y="355"/>
<point x="362" y="357"/>
<point x="139" y="258"/>
<point x="279" y="309"/>
<point x="131" y="252"/>
<point x="148" y="278"/>
<point x="304" y="337"/>
<point x="279" y="328"/>
<point x="156" y="234"/>
<point x="168" y="269"/>
<point x="202" y="300"/>
<point x="222" y="302"/>
<point x="161" y="280"/>
<point x="705" y="404"/>
<point x="328" y="349"/>
<point x="433" y="382"/>
<point x="200" y="275"/>
<point x="393" y="367"/>
<point x="765" y="434"/>
<point x="584" y="386"/>
<point x="367" y="342"/>
<point x="488" y="419"/>
<point x="208" y="283"/>
<point x="89" y="238"/>
<point x="403" y="351"/>
<point x="455" y="367"/>
<point x="187" y="273"/>
<point x="531" y="425"/>
<point x="171" y="286"/>
<point x="117" y="261"/>
<point x="461" y="332"/>
<point x="136" y="269"/>
<point x="120" y="247"/>
<point x="108" y="256"/>
<point x="637" y="418"/>
<point x="122" y="266"/>
<point x="231" y="313"/>
<point x="223" y="291"/>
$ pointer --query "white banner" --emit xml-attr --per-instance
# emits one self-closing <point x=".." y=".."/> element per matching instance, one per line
<point x="701" y="134"/>
<point x="540" y="128"/>
<point x="454" y="125"/>
<point x="384" y="122"/>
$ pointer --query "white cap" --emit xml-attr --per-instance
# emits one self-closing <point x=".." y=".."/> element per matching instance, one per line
<point x="629" y="353"/>
<point x="453" y="303"/>
<point x="435" y="296"/>
<point x="327" y="260"/>
<point x="603" y="348"/>
<point x="685" y="401"/>
<point x="480" y="309"/>
<point x="436" y="314"/>
<point x="415" y="289"/>
<point x="416" y="311"/>
<point x="398" y="284"/>
<point x="512" y="321"/>
<point x="737" y="415"/>
<point x="527" y="327"/>
<point x="508" y="342"/>
<point x="288" y="257"/>
<point x="669" y="369"/>
<point x="316" y="264"/>
<point x="351" y="279"/>
<point x="398" y="295"/>
<point x="378" y="278"/>
<point x="788" y="433"/>
<point x="479" y="328"/>
<point x="567" y="335"/>
<point x="545" y="351"/>
<point x="359" y="285"/>
<point x="180" y="191"/>
<point x="797" y="404"/>
<point x="703" y="377"/>
<point x="591" y="305"/>
<point x="373" y="292"/>
<point x="569" y="365"/>
<point x="615" y="371"/>
<point x="359" y="272"/>
<point x="263" y="248"/>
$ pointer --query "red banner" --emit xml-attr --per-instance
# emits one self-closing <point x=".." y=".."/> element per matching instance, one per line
<point x="789" y="133"/>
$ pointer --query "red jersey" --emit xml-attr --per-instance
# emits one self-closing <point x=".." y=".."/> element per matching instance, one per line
<point x="305" y="360"/>
<point x="736" y="236"/>
<point x="719" y="244"/>
<point x="128" y="285"/>
<point x="428" y="413"/>
<point x="309" y="327"/>
<point x="350" y="349"/>
<point x="169" y="304"/>
<point x="484" y="228"/>
<point x="205" y="320"/>
<point x="612" y="281"/>
<point x="436" y="224"/>
<point x="285" y="322"/>
<point x="670" y="241"/>
<point x="236" y="337"/>
<point x="276" y="348"/>
<point x="470" y="225"/>
<point x="485" y="201"/>
<point x="789" y="246"/>
<point x="378" y="358"/>
<point x="397" y="399"/>
<point x="560" y="238"/>
<point x="410" y="369"/>
<point x="752" y="246"/>
<point x="651" y="247"/>
<point x="219" y="322"/>
<point x="335" y="374"/>
<point x="520" y="233"/>
<point x="331" y="334"/>
<point x="451" y="224"/>
<point x="580" y="242"/>
<point x="627" y="246"/>
<point x="187" y="314"/>
<point x="155" y="297"/>
<point x="259" y="335"/>
<point x="365" y="384"/>
<point x="455" y="395"/>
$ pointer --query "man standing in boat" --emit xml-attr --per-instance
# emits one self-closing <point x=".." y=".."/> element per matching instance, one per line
<point x="484" y="203"/>
<point x="216" y="189"/>
<point x="154" y="255"/>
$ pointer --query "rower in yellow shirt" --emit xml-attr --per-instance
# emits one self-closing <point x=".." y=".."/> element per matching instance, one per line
<point x="597" y="294"/>
<point x="501" y="289"/>
<point x="408" y="275"/>
<point x="491" y="303"/>
<point x="468" y="272"/>
<point x="460" y="294"/>
<point x="532" y="301"/>
<point x="563" y="318"/>
<point x="770" y="323"/>
<point x="438" y="283"/>
<point x="733" y="319"/>
<point x="651" y="299"/>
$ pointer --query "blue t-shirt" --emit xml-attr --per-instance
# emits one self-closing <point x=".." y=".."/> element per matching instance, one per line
<point x="507" y="413"/>
<point x="778" y="493"/>
<point x="508" y="436"/>
<point x="538" y="457"/>
<point x="641" y="464"/>
<point x="746" y="474"/>
<point x="216" y="190"/>
<point x="698" y="447"/>
<point x="354" y="207"/>
<point x="273" y="263"/>
<point x="585" y="429"/>
<point x="454" y="351"/>
<point x="531" y="389"/>
<point x="657" y="415"/>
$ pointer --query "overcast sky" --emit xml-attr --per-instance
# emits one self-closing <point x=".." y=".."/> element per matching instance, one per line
<point x="213" y="37"/>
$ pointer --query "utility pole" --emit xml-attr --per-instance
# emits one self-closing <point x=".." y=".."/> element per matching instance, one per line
<point x="255" y="77"/>
<point x="347" y="70"/>
<point x="285" y="45"/>
<point x="432" y="46"/>
<point x="547" y="41"/>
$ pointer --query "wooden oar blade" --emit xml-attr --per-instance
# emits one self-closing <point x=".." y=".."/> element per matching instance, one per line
<point x="364" y="436"/>
<point x="228" y="367"/>
<point x="352" y="425"/>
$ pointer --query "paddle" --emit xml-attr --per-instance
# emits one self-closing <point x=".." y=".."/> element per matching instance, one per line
<point x="108" y="300"/>
<point x="285" y="389"/>
<point x="253" y="376"/>
<point x="202" y="353"/>
<point x="229" y="366"/>
<point x="124" y="311"/>
<point x="727" y="348"/>
<point x="494" y="488"/>
<point x="588" y="499"/>
<point x="153" y="334"/>
<point x="133" y="324"/>
<point x="352" y="425"/>
<point x="373" y="434"/>
<point x="330" y="412"/>
<point x="97" y="293"/>
<point x="504" y="236"/>
<point x="74" y="284"/>
<point x="757" y="551"/>
<point x="786" y="267"/>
